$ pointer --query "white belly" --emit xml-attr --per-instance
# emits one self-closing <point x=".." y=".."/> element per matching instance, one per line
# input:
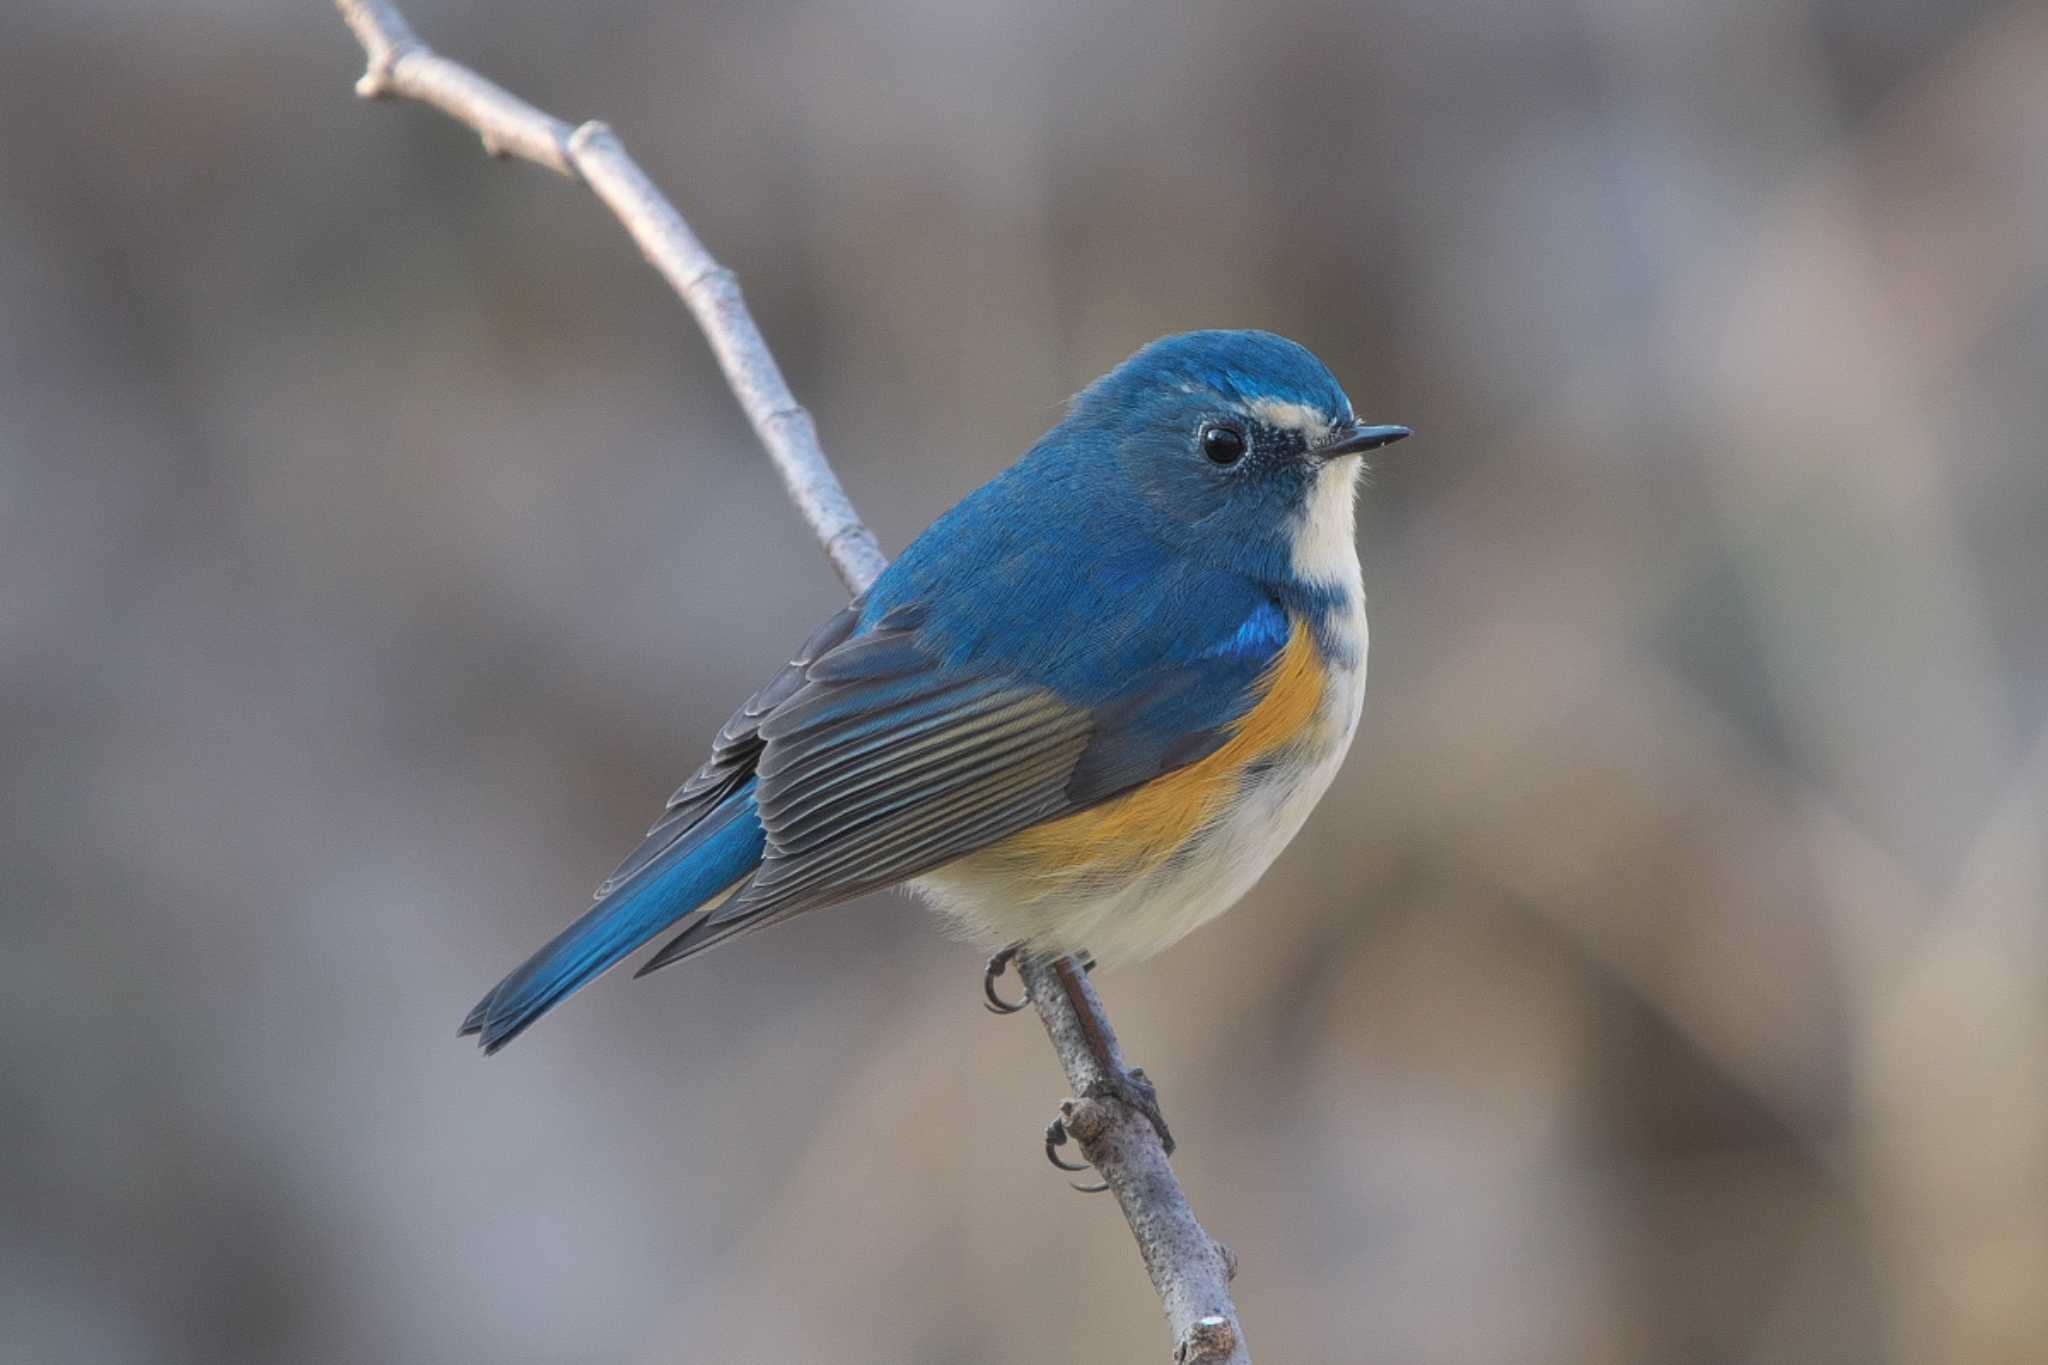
<point x="1135" y="918"/>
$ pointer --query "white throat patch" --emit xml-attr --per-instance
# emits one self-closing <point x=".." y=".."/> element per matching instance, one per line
<point x="1325" y="536"/>
<point x="1325" y="548"/>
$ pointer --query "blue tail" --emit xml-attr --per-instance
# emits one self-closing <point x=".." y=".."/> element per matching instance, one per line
<point x="721" y="849"/>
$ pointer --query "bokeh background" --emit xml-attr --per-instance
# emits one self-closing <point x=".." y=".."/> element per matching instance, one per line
<point x="1663" y="981"/>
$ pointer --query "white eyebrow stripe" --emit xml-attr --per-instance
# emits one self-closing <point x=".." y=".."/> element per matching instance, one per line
<point x="1300" y="417"/>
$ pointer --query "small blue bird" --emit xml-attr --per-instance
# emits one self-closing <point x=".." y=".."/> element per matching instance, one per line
<point x="1082" y="712"/>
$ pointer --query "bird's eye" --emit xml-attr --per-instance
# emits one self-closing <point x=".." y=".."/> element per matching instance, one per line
<point x="1223" y="445"/>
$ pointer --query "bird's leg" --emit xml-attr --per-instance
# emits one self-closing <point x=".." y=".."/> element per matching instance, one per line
<point x="993" y="1001"/>
<point x="997" y="965"/>
<point x="1129" y="1085"/>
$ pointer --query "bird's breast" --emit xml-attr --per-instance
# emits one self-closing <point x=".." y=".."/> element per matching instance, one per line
<point x="1131" y="875"/>
<point x="1288" y="726"/>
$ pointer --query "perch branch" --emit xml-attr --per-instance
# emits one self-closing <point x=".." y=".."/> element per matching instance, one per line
<point x="1188" y="1268"/>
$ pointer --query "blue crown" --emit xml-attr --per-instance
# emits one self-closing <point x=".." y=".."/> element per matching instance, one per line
<point x="1238" y="367"/>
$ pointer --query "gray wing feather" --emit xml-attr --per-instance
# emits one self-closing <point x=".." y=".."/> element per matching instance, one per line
<point x="734" y="752"/>
<point x="854" y="801"/>
<point x="884" y="765"/>
<point x="938" y="790"/>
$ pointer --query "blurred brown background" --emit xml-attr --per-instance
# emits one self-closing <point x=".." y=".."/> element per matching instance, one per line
<point x="1663" y="981"/>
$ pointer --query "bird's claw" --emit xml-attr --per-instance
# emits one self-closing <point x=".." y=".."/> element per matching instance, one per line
<point x="1056" y="1137"/>
<point x="994" y="971"/>
<point x="1132" y="1088"/>
<point x="994" y="1002"/>
<point x="1135" y="1089"/>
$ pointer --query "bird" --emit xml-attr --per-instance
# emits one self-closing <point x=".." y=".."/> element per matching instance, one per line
<point x="1081" y="714"/>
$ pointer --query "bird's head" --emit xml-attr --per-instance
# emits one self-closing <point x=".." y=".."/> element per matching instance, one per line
<point x="1241" y="448"/>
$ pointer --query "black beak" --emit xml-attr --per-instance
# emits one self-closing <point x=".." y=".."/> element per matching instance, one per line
<point x="1360" y="439"/>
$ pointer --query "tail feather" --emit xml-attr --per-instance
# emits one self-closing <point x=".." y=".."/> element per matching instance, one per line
<point x="706" y="931"/>
<point x="722" y="850"/>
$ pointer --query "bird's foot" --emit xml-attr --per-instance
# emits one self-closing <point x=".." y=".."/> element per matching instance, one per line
<point x="1135" y="1089"/>
<point x="1078" y="1120"/>
<point x="1056" y="1137"/>
<point x="993" y="1000"/>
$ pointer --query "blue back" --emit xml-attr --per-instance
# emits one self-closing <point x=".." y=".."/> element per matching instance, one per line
<point x="1110" y="550"/>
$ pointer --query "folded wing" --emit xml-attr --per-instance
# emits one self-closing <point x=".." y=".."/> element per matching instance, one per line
<point x="888" y="762"/>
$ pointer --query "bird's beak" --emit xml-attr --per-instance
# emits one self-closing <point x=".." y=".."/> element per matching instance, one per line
<point x="1360" y="439"/>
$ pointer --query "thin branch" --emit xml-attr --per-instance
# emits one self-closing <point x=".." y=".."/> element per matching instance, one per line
<point x="1190" y="1270"/>
<point x="400" y="65"/>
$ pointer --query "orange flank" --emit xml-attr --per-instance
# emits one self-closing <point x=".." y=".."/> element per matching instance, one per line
<point x="1141" y="829"/>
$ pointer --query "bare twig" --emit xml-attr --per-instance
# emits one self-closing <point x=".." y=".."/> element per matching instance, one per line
<point x="1190" y="1270"/>
<point x="401" y="65"/>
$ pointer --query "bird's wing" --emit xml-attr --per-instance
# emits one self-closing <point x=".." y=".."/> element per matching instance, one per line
<point x="733" y="754"/>
<point x="890" y="760"/>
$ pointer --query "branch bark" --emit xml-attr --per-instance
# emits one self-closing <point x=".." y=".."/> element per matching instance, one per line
<point x="402" y="66"/>
<point x="1190" y="1270"/>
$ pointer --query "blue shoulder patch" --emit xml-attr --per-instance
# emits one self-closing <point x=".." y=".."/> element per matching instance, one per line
<point x="1263" y="633"/>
